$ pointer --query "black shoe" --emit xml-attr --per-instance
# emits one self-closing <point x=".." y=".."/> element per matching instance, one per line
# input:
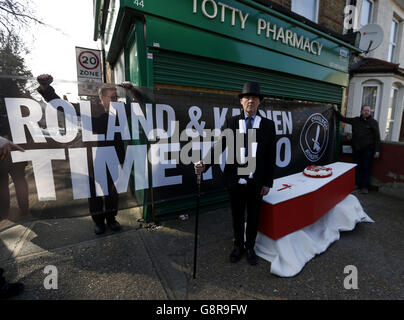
<point x="114" y="225"/>
<point x="9" y="290"/>
<point x="99" y="228"/>
<point x="252" y="257"/>
<point x="236" y="254"/>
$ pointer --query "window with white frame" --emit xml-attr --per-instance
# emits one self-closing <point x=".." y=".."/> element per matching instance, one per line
<point x="370" y="98"/>
<point x="393" y="40"/>
<point x="306" y="8"/>
<point x="366" y="13"/>
<point x="390" y="114"/>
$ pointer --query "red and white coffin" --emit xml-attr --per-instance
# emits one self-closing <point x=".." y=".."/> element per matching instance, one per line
<point x="297" y="201"/>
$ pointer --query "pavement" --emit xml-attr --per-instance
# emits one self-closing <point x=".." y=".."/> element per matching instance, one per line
<point x="155" y="262"/>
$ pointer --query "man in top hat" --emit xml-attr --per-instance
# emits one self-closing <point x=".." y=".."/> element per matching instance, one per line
<point x="246" y="189"/>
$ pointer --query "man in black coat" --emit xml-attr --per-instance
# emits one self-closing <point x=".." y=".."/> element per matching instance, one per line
<point x="247" y="186"/>
<point x="365" y="144"/>
<point x="103" y="208"/>
<point x="8" y="289"/>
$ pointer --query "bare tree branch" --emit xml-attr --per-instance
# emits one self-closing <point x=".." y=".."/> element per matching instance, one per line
<point x="15" y="15"/>
<point x="5" y="26"/>
<point x="19" y="15"/>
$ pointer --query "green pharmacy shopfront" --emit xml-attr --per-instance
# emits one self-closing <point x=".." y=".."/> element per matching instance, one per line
<point x="215" y="46"/>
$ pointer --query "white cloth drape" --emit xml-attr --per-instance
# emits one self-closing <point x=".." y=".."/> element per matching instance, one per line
<point x="289" y="254"/>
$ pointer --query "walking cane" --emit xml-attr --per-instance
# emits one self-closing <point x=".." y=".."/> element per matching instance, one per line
<point x="198" y="197"/>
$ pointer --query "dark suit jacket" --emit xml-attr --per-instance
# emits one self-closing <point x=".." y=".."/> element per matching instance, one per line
<point x="265" y="155"/>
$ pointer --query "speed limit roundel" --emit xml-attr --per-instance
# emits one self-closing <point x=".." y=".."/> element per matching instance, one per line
<point x="88" y="60"/>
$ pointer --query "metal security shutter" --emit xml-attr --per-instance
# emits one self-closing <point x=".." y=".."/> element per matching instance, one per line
<point x="186" y="70"/>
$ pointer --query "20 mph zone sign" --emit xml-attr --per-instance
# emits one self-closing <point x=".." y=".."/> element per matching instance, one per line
<point x="88" y="64"/>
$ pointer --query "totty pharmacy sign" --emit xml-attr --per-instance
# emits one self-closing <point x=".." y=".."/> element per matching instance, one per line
<point x="218" y="10"/>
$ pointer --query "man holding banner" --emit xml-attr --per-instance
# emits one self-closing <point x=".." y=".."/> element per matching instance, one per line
<point x="7" y="289"/>
<point x="247" y="188"/>
<point x="365" y="144"/>
<point x="103" y="208"/>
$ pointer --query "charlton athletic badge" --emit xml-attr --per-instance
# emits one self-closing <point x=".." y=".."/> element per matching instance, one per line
<point x="314" y="137"/>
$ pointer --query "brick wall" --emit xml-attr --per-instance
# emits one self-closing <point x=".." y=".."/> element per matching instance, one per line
<point x="331" y="14"/>
<point x="284" y="3"/>
<point x="388" y="169"/>
<point x="109" y="73"/>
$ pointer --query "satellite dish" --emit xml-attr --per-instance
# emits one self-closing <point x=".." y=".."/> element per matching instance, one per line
<point x="371" y="37"/>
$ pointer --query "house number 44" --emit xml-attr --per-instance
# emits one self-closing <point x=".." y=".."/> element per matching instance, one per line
<point x="138" y="3"/>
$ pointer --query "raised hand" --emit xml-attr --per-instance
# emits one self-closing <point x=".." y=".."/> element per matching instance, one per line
<point x="44" y="80"/>
<point x="6" y="146"/>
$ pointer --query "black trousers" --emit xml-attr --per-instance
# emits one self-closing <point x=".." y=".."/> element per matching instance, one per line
<point x="242" y="197"/>
<point x="363" y="159"/>
<point x="103" y="208"/>
<point x="17" y="173"/>
<point x="2" y="279"/>
<point x="106" y="207"/>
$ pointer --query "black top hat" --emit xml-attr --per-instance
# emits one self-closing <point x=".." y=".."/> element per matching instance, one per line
<point x="251" y="89"/>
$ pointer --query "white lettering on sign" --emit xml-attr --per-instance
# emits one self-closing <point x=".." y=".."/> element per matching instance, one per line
<point x="92" y="167"/>
<point x="283" y="120"/>
<point x="210" y="9"/>
<point x="17" y="121"/>
<point x="213" y="10"/>
<point x="283" y="152"/>
<point x="288" y="37"/>
<point x="214" y="6"/>
<point x="42" y="168"/>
